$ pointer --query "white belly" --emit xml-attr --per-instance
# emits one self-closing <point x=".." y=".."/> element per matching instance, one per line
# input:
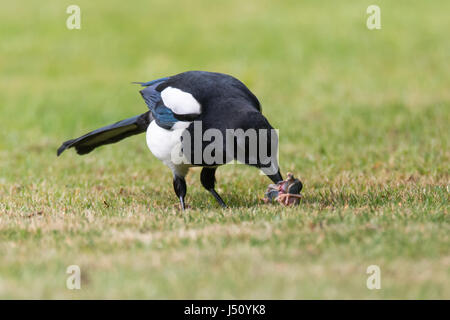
<point x="166" y="146"/>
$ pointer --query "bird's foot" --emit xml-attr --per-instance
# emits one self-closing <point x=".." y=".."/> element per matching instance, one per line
<point x="183" y="206"/>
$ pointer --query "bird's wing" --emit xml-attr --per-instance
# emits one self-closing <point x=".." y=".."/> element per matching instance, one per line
<point x="168" y="104"/>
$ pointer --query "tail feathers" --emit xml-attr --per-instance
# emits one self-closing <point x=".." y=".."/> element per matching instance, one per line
<point x="109" y="134"/>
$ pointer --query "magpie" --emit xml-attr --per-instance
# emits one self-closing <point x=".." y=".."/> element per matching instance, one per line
<point x="183" y="103"/>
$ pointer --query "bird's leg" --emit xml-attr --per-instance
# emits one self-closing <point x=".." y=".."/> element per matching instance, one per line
<point x="179" y="185"/>
<point x="208" y="180"/>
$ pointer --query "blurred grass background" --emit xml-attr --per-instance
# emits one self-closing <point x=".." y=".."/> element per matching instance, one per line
<point x="363" y="118"/>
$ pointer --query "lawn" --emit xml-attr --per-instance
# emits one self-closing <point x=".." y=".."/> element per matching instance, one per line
<point x="363" y="118"/>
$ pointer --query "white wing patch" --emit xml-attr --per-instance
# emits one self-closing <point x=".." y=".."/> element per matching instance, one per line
<point x="180" y="102"/>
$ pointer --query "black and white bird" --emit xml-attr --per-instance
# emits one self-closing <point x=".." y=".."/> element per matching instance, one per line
<point x="176" y="104"/>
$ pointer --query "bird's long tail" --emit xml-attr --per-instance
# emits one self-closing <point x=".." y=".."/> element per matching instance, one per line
<point x="109" y="134"/>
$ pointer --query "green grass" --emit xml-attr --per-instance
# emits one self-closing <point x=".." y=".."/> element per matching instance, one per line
<point x="363" y="118"/>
